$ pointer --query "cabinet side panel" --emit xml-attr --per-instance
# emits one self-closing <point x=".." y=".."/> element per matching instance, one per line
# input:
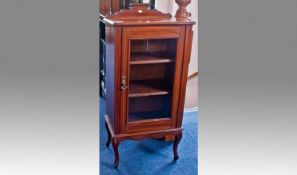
<point x="110" y="62"/>
<point x="177" y="75"/>
<point x="113" y="62"/>
<point x="117" y="80"/>
<point x="184" y="78"/>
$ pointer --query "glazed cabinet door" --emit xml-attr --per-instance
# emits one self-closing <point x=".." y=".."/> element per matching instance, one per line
<point x="152" y="58"/>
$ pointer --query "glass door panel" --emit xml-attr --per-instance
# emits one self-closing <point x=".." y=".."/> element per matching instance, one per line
<point x="151" y="78"/>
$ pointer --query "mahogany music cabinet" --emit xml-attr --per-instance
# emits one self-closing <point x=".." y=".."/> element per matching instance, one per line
<point x="147" y="57"/>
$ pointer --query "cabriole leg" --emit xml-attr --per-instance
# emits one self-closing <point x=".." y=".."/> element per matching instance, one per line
<point x="175" y="145"/>
<point x="109" y="135"/>
<point x="115" y="144"/>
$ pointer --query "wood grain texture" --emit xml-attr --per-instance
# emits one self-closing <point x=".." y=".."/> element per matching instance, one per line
<point x="140" y="12"/>
<point x="187" y="55"/>
<point x="144" y="58"/>
<point x="105" y="8"/>
<point x="181" y="12"/>
<point x="147" y="88"/>
<point x="141" y="135"/>
<point x="147" y="55"/>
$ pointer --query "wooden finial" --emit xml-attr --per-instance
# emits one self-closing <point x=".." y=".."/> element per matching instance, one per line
<point x="182" y="12"/>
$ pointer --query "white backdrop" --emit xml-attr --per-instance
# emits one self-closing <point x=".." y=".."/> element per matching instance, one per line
<point x="169" y="6"/>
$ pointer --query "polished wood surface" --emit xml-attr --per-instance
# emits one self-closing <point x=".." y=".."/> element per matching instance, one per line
<point x="109" y="6"/>
<point x="144" y="58"/>
<point x="138" y="12"/>
<point x="182" y="13"/>
<point x="147" y="88"/>
<point x="147" y="57"/>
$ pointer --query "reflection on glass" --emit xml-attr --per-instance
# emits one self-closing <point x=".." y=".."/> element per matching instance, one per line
<point x="150" y="80"/>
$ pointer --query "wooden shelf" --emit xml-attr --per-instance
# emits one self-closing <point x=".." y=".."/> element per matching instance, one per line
<point x="149" y="115"/>
<point x="148" y="58"/>
<point x="148" y="88"/>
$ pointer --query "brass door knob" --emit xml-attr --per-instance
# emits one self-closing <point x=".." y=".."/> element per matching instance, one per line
<point x="124" y="83"/>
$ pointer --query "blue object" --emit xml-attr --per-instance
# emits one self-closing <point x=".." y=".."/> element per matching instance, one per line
<point x="151" y="156"/>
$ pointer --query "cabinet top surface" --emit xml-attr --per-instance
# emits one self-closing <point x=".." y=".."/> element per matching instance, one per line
<point x="140" y="14"/>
